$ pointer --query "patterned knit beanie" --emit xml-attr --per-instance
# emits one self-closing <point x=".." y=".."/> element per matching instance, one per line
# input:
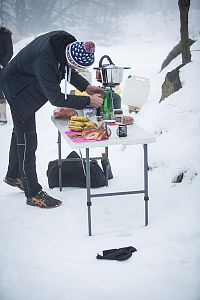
<point x="80" y="54"/>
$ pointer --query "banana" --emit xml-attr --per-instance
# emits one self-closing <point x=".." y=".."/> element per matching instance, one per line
<point x="75" y="123"/>
<point x="79" y="123"/>
<point x="79" y="119"/>
<point x="90" y="124"/>
<point x="74" y="128"/>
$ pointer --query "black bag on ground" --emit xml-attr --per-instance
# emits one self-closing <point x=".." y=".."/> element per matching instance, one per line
<point x="73" y="173"/>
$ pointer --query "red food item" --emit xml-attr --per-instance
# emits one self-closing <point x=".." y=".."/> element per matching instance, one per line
<point x="94" y="134"/>
<point x="128" y="120"/>
<point x="64" y="112"/>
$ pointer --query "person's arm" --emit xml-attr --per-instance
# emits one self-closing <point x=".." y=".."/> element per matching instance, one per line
<point x="82" y="84"/>
<point x="8" y="50"/>
<point x="95" y="92"/>
<point x="78" y="81"/>
<point x="49" y="80"/>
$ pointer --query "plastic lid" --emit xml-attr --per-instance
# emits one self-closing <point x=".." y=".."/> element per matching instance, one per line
<point x="118" y="111"/>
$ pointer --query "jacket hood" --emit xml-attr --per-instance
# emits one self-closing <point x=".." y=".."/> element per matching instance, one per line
<point x="4" y="30"/>
<point x="59" y="42"/>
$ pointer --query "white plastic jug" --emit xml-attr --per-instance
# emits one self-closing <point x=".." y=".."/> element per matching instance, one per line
<point x="135" y="91"/>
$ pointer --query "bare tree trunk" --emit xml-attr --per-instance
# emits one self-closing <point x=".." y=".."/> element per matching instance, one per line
<point x="21" y="16"/>
<point x="184" y="6"/>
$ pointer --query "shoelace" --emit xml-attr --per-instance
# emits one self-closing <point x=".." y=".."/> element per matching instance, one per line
<point x="44" y="193"/>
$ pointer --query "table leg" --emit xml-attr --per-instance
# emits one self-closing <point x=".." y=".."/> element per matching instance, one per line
<point x="146" y="196"/>
<point x="89" y="203"/>
<point x="59" y="161"/>
<point x="106" y="151"/>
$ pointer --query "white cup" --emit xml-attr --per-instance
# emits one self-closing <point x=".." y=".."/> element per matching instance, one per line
<point x="113" y="129"/>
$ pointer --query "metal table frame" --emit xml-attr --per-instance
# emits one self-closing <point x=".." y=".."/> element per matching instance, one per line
<point x="87" y="161"/>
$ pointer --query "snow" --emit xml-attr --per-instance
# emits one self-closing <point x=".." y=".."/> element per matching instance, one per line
<point x="47" y="254"/>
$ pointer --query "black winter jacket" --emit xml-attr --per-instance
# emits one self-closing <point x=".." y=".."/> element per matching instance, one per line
<point x="33" y="76"/>
<point x="6" y="46"/>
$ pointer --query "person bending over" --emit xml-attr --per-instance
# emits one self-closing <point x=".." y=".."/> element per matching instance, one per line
<point x="31" y="79"/>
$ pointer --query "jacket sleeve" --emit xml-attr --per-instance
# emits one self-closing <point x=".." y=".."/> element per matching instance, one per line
<point x="78" y="81"/>
<point x="49" y="80"/>
<point x="8" y="50"/>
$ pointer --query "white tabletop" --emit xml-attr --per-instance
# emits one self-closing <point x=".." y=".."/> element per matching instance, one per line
<point x="135" y="135"/>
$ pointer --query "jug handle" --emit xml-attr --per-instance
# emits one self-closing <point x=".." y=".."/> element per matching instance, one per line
<point x="102" y="58"/>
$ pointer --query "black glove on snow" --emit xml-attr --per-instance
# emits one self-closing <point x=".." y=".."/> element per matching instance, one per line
<point x="117" y="254"/>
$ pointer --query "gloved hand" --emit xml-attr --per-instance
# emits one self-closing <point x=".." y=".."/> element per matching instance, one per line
<point x="117" y="254"/>
<point x="91" y="90"/>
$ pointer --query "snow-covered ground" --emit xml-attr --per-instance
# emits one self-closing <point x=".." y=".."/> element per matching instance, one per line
<point x="48" y="255"/>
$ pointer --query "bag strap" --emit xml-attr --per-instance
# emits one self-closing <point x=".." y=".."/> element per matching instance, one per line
<point x="82" y="162"/>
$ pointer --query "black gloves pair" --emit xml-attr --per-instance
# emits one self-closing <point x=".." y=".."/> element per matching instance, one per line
<point x="117" y="254"/>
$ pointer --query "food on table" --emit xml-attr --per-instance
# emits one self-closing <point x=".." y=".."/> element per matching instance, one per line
<point x="92" y="133"/>
<point x="76" y="123"/>
<point x="79" y="119"/>
<point x="90" y="124"/>
<point x="79" y="123"/>
<point x="64" y="112"/>
<point x="75" y="128"/>
<point x="88" y="130"/>
<point x="128" y="120"/>
<point x="75" y="135"/>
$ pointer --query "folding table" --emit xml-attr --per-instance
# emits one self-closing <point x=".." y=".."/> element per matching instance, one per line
<point x="136" y="135"/>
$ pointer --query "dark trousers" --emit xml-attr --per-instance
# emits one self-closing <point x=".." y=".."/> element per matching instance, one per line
<point x="22" y="160"/>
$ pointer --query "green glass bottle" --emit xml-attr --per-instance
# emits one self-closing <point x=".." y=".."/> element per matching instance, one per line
<point x="108" y="113"/>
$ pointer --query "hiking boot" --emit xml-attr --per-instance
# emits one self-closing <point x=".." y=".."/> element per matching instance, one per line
<point x="16" y="182"/>
<point x="43" y="200"/>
